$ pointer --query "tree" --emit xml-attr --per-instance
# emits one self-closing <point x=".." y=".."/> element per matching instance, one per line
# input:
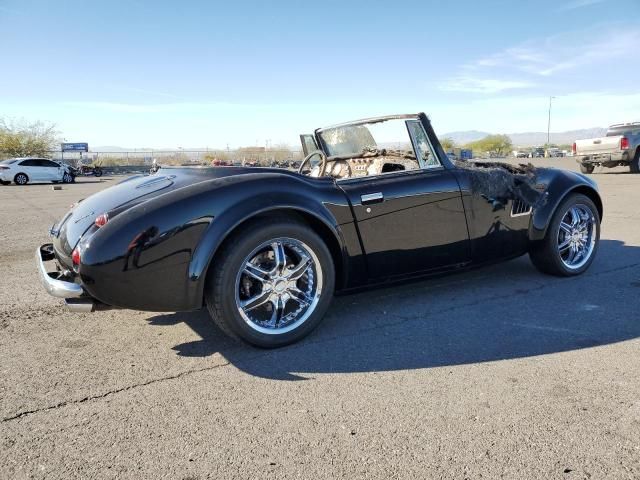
<point x="498" y="145"/>
<point x="21" y="139"/>
<point x="447" y="144"/>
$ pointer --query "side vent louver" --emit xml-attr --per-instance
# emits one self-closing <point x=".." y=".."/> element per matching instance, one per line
<point x="518" y="207"/>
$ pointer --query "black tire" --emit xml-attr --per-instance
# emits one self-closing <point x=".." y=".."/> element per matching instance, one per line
<point x="545" y="255"/>
<point x="67" y="178"/>
<point x="2" y="182"/>
<point x="586" y="168"/>
<point x="220" y="290"/>
<point x="634" y="166"/>
<point x="21" y="179"/>
<point x="97" y="172"/>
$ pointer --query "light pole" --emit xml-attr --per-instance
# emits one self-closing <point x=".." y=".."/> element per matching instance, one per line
<point x="549" y="126"/>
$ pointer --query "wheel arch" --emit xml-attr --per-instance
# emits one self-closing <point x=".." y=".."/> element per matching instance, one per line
<point x="223" y="230"/>
<point x="542" y="217"/>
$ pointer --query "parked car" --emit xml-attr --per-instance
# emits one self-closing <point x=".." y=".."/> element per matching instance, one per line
<point x="33" y="170"/>
<point x="619" y="147"/>
<point x="555" y="153"/>
<point x="71" y="177"/>
<point x="265" y="249"/>
<point x="537" y="152"/>
<point x="520" y="154"/>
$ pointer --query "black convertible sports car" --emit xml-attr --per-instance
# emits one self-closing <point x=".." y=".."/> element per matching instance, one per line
<point x="265" y="249"/>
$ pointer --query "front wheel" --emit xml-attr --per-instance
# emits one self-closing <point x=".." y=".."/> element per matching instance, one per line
<point x="586" y="168"/>
<point x="97" y="171"/>
<point x="572" y="238"/>
<point x="271" y="283"/>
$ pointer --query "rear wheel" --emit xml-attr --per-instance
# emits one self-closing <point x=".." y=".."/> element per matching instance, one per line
<point x="21" y="179"/>
<point x="97" y="171"/>
<point x="586" y="168"/>
<point x="634" y="166"/>
<point x="67" y="178"/>
<point x="271" y="283"/>
<point x="572" y="238"/>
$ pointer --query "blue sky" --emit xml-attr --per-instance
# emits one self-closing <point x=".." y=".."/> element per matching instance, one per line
<point x="210" y="73"/>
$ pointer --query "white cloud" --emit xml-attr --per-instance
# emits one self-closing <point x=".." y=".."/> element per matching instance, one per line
<point x="565" y="51"/>
<point x="579" y="4"/>
<point x="482" y="85"/>
<point x="174" y="107"/>
<point x="564" y="62"/>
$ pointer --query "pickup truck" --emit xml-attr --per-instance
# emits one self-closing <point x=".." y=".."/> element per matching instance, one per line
<point x="620" y="146"/>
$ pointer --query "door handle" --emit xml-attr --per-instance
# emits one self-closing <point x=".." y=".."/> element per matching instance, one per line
<point x="372" y="198"/>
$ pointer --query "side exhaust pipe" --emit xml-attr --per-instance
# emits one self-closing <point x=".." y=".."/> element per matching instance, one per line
<point x="85" y="305"/>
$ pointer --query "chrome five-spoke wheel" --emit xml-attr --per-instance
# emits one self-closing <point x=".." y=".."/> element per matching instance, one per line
<point x="279" y="285"/>
<point x="576" y="236"/>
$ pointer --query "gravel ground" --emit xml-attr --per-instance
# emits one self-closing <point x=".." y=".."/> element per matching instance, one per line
<point x="501" y="372"/>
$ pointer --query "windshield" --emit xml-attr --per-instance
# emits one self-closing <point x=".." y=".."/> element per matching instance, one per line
<point x="353" y="140"/>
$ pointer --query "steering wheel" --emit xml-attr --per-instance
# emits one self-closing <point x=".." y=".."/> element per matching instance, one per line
<point x="318" y="170"/>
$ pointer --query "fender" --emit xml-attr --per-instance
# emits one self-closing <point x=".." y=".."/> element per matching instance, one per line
<point x="560" y="183"/>
<point x="322" y="200"/>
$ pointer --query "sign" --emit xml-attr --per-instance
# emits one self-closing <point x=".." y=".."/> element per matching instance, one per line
<point x="74" y="147"/>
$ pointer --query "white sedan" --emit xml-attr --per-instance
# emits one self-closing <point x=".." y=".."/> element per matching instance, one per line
<point x="31" y="170"/>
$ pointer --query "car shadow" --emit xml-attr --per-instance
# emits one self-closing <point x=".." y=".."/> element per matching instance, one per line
<point x="503" y="312"/>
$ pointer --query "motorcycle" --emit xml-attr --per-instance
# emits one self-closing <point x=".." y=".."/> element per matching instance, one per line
<point x="87" y="170"/>
<point x="154" y="168"/>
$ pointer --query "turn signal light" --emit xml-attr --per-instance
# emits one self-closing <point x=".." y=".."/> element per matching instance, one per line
<point x="624" y="143"/>
<point x="101" y="220"/>
<point x="75" y="257"/>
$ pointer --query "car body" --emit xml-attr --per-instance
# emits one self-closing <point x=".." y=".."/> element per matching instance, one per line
<point x="619" y="147"/>
<point x="537" y="152"/>
<point x="361" y="216"/>
<point x="554" y="152"/>
<point x="33" y="170"/>
<point x="520" y="154"/>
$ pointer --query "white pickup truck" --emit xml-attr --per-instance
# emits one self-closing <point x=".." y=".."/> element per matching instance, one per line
<point x="620" y="146"/>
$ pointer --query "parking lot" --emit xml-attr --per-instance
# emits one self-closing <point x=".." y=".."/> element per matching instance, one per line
<point x="500" y="372"/>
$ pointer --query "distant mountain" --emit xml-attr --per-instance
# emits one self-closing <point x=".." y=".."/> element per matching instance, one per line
<point x="460" y="138"/>
<point x="529" y="139"/>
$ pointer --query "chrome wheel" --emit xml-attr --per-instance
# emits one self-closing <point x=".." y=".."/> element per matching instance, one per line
<point x="278" y="286"/>
<point x="21" y="179"/>
<point x="576" y="236"/>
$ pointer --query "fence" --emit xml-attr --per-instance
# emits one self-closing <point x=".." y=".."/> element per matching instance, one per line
<point x="242" y="156"/>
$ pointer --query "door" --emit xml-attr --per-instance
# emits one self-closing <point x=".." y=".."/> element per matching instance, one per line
<point x="32" y="168"/>
<point x="410" y="221"/>
<point x="51" y="171"/>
